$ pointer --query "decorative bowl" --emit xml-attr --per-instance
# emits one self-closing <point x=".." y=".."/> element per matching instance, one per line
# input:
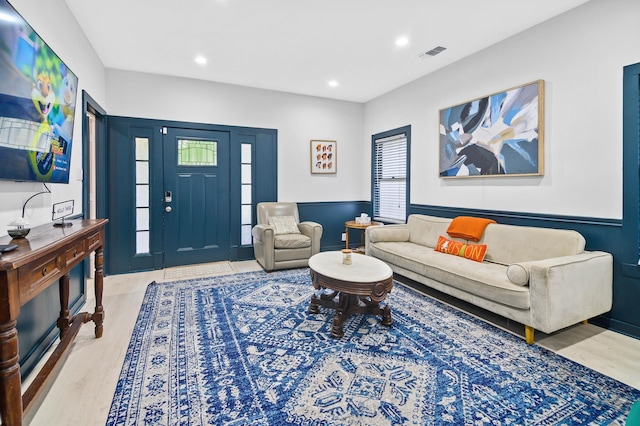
<point x="18" y="233"/>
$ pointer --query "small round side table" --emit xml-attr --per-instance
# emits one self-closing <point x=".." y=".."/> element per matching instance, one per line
<point x="352" y="224"/>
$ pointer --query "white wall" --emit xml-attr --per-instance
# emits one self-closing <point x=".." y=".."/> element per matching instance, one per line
<point x="74" y="49"/>
<point x="580" y="55"/>
<point x="297" y="118"/>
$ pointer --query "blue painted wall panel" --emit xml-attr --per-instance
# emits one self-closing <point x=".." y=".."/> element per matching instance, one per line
<point x="37" y="329"/>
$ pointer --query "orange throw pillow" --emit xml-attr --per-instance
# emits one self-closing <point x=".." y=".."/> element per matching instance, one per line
<point x="468" y="251"/>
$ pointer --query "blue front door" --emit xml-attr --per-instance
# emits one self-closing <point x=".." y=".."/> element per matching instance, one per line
<point x="196" y="196"/>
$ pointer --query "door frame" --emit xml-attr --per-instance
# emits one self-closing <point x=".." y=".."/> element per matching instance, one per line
<point x="120" y="245"/>
<point x="90" y="105"/>
<point x="96" y="165"/>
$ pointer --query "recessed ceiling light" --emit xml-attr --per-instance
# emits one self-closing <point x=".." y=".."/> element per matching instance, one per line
<point x="402" y="41"/>
<point x="333" y="83"/>
<point x="201" y="60"/>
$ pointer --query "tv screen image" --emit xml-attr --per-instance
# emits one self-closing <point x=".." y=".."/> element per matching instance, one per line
<point x="37" y="104"/>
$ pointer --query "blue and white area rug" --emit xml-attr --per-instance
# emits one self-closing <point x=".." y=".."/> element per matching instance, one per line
<point x="243" y="350"/>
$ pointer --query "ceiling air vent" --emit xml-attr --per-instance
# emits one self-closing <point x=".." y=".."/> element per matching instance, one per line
<point x="433" y="52"/>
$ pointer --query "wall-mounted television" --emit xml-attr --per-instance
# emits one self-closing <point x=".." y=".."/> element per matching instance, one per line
<point x="37" y="104"/>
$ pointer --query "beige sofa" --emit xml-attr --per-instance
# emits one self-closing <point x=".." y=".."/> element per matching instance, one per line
<point x="540" y="277"/>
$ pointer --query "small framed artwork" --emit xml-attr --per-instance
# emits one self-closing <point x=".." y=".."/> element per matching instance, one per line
<point x="498" y="135"/>
<point x="324" y="155"/>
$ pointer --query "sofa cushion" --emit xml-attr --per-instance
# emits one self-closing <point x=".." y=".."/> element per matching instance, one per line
<point x="284" y="225"/>
<point x="468" y="251"/>
<point x="291" y="241"/>
<point x="509" y="244"/>
<point x="485" y="280"/>
<point x="425" y="230"/>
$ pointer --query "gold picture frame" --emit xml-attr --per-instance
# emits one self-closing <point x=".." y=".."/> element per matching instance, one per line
<point x="499" y="135"/>
<point x="323" y="156"/>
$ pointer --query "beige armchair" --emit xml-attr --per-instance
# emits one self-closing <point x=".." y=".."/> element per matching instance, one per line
<point x="280" y="240"/>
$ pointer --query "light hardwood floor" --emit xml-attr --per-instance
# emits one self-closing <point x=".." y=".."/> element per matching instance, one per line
<point x="81" y="393"/>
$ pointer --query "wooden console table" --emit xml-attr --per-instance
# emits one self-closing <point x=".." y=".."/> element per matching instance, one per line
<point x="45" y="256"/>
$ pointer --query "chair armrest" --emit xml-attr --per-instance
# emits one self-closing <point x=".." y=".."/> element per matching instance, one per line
<point x="568" y="289"/>
<point x="309" y="228"/>
<point x="264" y="234"/>
<point x="312" y="230"/>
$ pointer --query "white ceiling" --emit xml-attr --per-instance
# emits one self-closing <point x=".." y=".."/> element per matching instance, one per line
<point x="297" y="46"/>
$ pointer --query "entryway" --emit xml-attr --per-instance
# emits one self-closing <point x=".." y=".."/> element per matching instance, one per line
<point x="178" y="192"/>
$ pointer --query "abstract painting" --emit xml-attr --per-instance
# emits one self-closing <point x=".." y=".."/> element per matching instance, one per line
<point x="497" y="135"/>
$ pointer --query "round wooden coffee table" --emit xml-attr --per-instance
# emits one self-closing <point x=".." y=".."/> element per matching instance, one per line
<point x="356" y="289"/>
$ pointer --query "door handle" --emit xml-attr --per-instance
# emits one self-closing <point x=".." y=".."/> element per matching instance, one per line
<point x="167" y="209"/>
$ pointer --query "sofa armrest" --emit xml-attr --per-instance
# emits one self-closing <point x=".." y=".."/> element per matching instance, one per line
<point x="312" y="230"/>
<point x="264" y="234"/>
<point x="377" y="234"/>
<point x="569" y="289"/>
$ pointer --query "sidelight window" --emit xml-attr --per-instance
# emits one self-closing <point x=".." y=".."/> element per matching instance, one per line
<point x="142" y="195"/>
<point x="246" y="181"/>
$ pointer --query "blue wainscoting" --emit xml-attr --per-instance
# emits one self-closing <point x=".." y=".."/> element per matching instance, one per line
<point x="37" y="322"/>
<point x="332" y="216"/>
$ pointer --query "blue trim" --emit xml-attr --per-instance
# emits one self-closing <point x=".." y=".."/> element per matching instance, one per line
<point x="407" y="131"/>
<point x="630" y="159"/>
<point x="596" y="231"/>
<point x="627" y="276"/>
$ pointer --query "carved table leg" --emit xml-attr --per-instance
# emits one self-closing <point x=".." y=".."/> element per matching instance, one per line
<point x="338" y="320"/>
<point x="386" y="316"/>
<point x="10" y="391"/>
<point x="313" y="305"/>
<point x="98" y="316"/>
<point x="65" y="317"/>
<point x="342" y="311"/>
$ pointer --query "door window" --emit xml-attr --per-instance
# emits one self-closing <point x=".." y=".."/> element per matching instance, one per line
<point x="197" y="153"/>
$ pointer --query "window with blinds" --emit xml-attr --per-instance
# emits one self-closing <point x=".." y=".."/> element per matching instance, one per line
<point x="390" y="178"/>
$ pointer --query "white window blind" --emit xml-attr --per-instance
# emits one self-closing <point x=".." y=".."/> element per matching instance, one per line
<point x="390" y="179"/>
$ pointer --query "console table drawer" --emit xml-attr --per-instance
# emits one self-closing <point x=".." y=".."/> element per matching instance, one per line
<point x="38" y="275"/>
<point x="74" y="254"/>
<point x="94" y="241"/>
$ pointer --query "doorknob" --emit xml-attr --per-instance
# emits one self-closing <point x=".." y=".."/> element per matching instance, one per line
<point x="167" y="209"/>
